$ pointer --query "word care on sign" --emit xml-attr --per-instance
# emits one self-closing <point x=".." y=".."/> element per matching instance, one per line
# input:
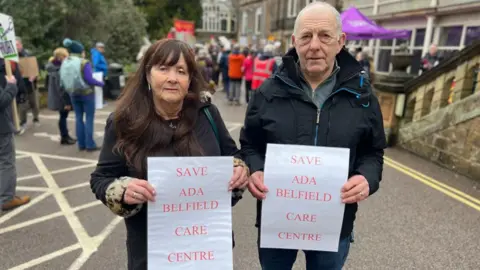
<point x="190" y="223"/>
<point x="303" y="208"/>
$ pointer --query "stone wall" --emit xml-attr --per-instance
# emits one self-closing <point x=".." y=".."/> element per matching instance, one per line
<point x="441" y="121"/>
<point x="450" y="137"/>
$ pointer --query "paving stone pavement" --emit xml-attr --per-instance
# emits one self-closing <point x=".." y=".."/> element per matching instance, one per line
<point x="408" y="224"/>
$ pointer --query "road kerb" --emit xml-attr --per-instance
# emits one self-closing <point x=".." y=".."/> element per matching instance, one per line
<point x="445" y="189"/>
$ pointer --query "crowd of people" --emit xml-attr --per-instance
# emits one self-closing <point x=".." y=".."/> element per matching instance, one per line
<point x="231" y="65"/>
<point x="69" y="83"/>
<point x="161" y="112"/>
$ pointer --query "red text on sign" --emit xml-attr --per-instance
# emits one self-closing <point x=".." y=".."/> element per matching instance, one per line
<point x="189" y="192"/>
<point x="302" y="217"/>
<point x="304" y="180"/>
<point x="300" y="236"/>
<point x="190" y="206"/>
<point x="306" y="160"/>
<point x="191" y="256"/>
<point x="190" y="231"/>
<point x="199" y="171"/>
<point x="303" y="195"/>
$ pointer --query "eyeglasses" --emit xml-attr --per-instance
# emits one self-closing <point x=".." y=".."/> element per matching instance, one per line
<point x="323" y="38"/>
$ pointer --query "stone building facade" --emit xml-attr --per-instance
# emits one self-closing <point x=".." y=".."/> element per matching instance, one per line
<point x="254" y="22"/>
<point x="441" y="116"/>
<point x="218" y="19"/>
<point x="450" y="24"/>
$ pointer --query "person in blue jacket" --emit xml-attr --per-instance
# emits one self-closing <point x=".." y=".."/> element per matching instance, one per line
<point x="99" y="62"/>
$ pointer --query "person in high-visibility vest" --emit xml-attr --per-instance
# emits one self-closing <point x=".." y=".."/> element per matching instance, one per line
<point x="263" y="67"/>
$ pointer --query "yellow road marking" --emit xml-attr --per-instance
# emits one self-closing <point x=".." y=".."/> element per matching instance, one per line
<point x="445" y="189"/>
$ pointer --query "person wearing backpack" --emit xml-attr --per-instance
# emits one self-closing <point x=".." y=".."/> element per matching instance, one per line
<point x="58" y="98"/>
<point x="76" y="77"/>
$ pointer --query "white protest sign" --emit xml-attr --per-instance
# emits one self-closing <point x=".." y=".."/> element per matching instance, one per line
<point x="98" y="90"/>
<point x="190" y="224"/>
<point x="8" y="48"/>
<point x="303" y="209"/>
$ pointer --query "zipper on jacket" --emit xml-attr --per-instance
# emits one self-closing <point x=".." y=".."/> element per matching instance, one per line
<point x="357" y="95"/>
<point x="316" y="127"/>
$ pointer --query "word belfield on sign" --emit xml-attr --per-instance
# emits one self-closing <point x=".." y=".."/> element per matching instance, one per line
<point x="303" y="208"/>
<point x="190" y="223"/>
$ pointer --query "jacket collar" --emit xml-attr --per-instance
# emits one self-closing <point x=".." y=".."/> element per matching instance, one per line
<point x="349" y="67"/>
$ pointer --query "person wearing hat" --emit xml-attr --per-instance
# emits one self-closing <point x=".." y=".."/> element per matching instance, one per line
<point x="76" y="78"/>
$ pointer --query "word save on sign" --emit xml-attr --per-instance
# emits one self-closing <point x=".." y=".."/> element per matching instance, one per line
<point x="190" y="223"/>
<point x="303" y="208"/>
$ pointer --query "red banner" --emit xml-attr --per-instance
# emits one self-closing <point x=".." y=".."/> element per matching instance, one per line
<point x="184" y="26"/>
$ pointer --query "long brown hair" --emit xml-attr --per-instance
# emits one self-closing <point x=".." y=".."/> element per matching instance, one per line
<point x="140" y="131"/>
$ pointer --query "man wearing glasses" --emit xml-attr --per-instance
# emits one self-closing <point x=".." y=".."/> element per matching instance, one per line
<point x="320" y="96"/>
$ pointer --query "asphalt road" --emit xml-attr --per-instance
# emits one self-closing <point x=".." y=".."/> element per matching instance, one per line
<point x="412" y="222"/>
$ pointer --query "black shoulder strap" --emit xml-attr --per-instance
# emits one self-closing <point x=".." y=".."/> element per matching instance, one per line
<point x="212" y="123"/>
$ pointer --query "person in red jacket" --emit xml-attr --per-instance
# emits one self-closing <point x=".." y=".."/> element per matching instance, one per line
<point x="235" y="63"/>
<point x="247" y="69"/>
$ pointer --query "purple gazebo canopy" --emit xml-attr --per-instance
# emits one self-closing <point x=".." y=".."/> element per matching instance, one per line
<point x="358" y="27"/>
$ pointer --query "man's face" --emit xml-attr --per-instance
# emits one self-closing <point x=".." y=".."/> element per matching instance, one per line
<point x="317" y="41"/>
<point x="19" y="45"/>
<point x="433" y="50"/>
<point x="101" y="49"/>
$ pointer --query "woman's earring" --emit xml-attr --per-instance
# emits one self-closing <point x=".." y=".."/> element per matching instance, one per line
<point x="149" y="87"/>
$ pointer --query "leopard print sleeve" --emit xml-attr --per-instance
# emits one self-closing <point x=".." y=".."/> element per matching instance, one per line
<point x="237" y="194"/>
<point x="114" y="198"/>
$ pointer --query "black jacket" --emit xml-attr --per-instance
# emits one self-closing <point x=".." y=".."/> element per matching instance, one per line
<point x="112" y="170"/>
<point x="281" y="112"/>
<point x="7" y="94"/>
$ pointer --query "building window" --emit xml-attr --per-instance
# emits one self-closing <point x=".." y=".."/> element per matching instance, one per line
<point x="472" y="34"/>
<point x="450" y="36"/>
<point x="258" y="21"/>
<point x="244" y="22"/>
<point x="223" y="23"/>
<point x="292" y="8"/>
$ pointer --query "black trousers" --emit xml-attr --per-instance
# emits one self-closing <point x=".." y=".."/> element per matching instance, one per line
<point x="248" y="90"/>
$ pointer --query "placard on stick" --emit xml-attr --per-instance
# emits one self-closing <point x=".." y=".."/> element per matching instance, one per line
<point x="28" y="66"/>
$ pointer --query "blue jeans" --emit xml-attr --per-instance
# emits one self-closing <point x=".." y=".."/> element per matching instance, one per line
<point x="84" y="105"/>
<point x="283" y="259"/>
<point x="226" y="83"/>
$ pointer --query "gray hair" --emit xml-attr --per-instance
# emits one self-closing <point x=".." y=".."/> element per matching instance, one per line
<point x="334" y="11"/>
<point x="18" y="39"/>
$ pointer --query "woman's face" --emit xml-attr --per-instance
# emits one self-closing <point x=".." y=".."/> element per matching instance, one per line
<point x="170" y="83"/>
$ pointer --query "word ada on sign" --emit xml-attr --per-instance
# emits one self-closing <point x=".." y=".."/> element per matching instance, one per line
<point x="190" y="223"/>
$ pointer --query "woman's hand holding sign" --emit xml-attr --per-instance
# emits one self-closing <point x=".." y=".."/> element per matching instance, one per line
<point x="138" y="192"/>
<point x="239" y="178"/>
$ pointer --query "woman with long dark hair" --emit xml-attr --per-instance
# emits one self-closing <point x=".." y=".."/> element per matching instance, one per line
<point x="159" y="113"/>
